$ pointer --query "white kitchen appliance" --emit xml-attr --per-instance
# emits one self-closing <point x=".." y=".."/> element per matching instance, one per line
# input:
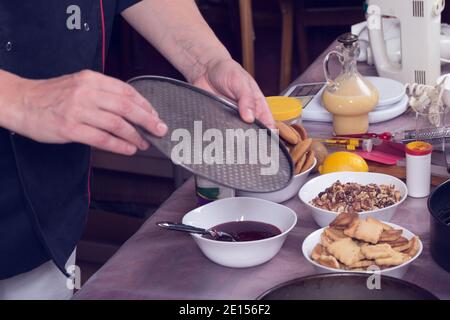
<point x="420" y="27"/>
<point x="391" y="29"/>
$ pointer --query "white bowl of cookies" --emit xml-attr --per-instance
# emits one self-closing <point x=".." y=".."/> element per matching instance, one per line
<point x="354" y="244"/>
<point x="366" y="193"/>
<point x="299" y="145"/>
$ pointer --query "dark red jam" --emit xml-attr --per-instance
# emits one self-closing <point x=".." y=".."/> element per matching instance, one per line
<point x="246" y="230"/>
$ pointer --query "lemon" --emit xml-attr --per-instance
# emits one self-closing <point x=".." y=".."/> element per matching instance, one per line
<point x="343" y="161"/>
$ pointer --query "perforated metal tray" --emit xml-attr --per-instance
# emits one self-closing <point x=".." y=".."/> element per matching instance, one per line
<point x="180" y="105"/>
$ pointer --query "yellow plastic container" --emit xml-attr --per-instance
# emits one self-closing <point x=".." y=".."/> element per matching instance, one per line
<point x="286" y="109"/>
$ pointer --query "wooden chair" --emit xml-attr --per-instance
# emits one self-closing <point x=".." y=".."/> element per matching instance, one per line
<point x="287" y="38"/>
<point x="248" y="37"/>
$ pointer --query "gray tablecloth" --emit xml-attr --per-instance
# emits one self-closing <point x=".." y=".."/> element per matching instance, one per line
<point x="156" y="264"/>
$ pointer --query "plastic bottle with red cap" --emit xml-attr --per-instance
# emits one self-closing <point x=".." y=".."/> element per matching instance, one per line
<point x="418" y="168"/>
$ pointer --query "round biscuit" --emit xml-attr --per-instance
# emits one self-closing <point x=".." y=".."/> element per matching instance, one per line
<point x="301" y="131"/>
<point x="287" y="133"/>
<point x="309" y="161"/>
<point x="300" y="149"/>
<point x="299" y="164"/>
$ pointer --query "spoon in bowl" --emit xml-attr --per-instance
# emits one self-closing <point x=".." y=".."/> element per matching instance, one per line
<point x="216" y="235"/>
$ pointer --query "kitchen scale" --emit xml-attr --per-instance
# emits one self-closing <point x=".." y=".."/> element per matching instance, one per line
<point x="393" y="100"/>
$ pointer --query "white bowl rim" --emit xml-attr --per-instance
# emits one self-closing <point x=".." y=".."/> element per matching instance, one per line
<point x="291" y="212"/>
<point x="368" y="272"/>
<point x="352" y="172"/>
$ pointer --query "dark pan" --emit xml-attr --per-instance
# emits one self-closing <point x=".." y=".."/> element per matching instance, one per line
<point x="345" y="286"/>
<point x="439" y="207"/>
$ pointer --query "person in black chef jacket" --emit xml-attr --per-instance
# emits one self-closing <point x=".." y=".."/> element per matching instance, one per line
<point x="55" y="103"/>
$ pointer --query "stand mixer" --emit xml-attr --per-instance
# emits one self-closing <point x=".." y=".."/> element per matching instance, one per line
<point x="420" y="25"/>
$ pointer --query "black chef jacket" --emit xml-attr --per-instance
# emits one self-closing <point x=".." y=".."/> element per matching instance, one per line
<point x="44" y="191"/>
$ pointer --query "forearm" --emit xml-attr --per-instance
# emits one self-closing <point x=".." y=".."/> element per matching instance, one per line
<point x="84" y="107"/>
<point x="177" y="29"/>
<point x="9" y="93"/>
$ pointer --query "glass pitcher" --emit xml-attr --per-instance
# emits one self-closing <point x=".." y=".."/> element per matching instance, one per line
<point x="350" y="97"/>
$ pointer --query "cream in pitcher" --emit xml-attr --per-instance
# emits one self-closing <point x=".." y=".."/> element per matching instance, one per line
<point x="350" y="97"/>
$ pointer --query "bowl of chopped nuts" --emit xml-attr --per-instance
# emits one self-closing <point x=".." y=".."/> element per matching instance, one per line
<point x="366" y="193"/>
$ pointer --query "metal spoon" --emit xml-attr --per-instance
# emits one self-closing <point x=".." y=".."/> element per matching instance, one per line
<point x="191" y="229"/>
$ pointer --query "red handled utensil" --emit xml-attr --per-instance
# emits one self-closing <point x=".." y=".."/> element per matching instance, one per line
<point x="387" y="136"/>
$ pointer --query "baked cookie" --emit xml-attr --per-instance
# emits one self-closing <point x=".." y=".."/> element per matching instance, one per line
<point x="346" y="251"/>
<point x="396" y="259"/>
<point x="368" y="231"/>
<point x="328" y="261"/>
<point x="287" y="133"/>
<point x="309" y="161"/>
<point x="377" y="251"/>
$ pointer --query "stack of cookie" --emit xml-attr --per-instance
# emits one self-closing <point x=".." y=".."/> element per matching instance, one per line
<point x="296" y="140"/>
<point x="352" y="243"/>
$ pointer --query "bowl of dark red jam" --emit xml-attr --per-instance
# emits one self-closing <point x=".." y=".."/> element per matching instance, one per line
<point x="259" y="228"/>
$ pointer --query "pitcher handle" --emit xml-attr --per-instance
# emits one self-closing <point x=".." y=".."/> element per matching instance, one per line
<point x="326" y="68"/>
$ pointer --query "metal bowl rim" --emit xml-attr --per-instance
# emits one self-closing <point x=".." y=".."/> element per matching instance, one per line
<point x="346" y="274"/>
<point x="432" y="213"/>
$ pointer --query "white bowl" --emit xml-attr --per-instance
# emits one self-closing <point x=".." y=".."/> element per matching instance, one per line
<point x="398" y="271"/>
<point x="284" y="194"/>
<point x="241" y="254"/>
<point x="324" y="217"/>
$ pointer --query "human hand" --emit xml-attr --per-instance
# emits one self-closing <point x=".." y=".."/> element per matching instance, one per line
<point x="85" y="107"/>
<point x="227" y="78"/>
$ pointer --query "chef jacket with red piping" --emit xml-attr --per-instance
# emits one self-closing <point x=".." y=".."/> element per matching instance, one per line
<point x="44" y="192"/>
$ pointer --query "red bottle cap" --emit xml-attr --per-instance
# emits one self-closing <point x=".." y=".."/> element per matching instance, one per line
<point x="418" y="148"/>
